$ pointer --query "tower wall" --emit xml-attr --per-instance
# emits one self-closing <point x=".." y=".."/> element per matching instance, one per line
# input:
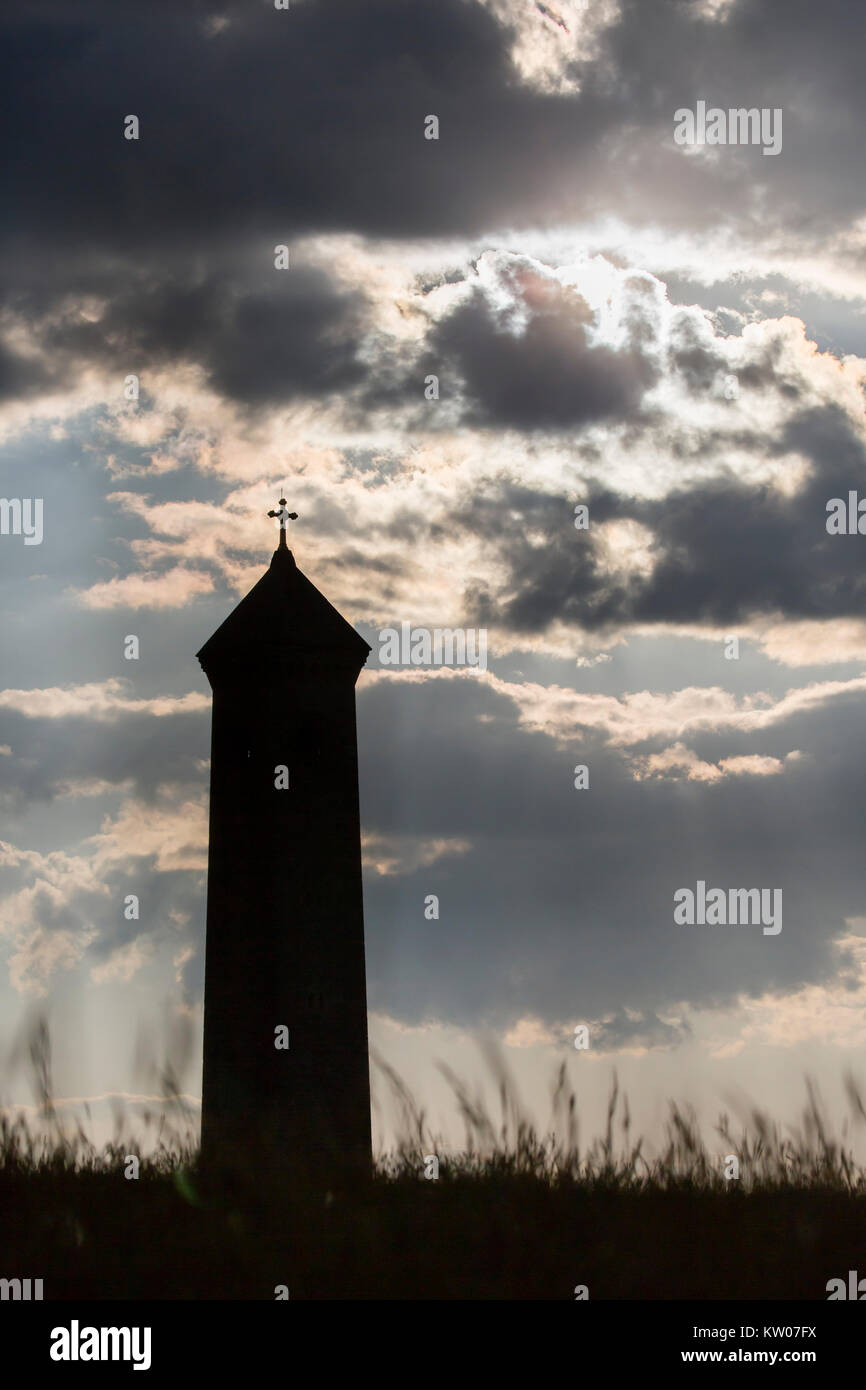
<point x="285" y="929"/>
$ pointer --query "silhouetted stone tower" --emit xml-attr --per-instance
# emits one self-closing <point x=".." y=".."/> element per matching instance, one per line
<point x="285" y="925"/>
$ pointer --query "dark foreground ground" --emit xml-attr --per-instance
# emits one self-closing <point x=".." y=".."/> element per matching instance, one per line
<point x="96" y="1235"/>
<point x="516" y="1217"/>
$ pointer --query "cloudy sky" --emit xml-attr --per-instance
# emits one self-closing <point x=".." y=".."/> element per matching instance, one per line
<point x="671" y="335"/>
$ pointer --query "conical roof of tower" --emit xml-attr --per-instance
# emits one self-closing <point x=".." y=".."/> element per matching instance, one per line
<point x="285" y="614"/>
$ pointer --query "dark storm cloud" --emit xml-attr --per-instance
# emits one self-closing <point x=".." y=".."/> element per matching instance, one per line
<point x="165" y="899"/>
<point x="269" y="338"/>
<point x="21" y="376"/>
<point x="724" y="550"/>
<point x="312" y="119"/>
<point x="285" y="121"/>
<point x="561" y="579"/>
<point x="566" y="912"/>
<point x="646" y="1030"/>
<point x="701" y="363"/>
<point x="74" y="912"/>
<point x="545" y="377"/>
<point x="170" y="911"/>
<point x="150" y="763"/>
<point x="49" y="753"/>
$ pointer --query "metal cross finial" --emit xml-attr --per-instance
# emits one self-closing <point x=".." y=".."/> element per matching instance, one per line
<point x="284" y="516"/>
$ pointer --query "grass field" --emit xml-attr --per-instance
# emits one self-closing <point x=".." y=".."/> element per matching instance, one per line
<point x="515" y="1215"/>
